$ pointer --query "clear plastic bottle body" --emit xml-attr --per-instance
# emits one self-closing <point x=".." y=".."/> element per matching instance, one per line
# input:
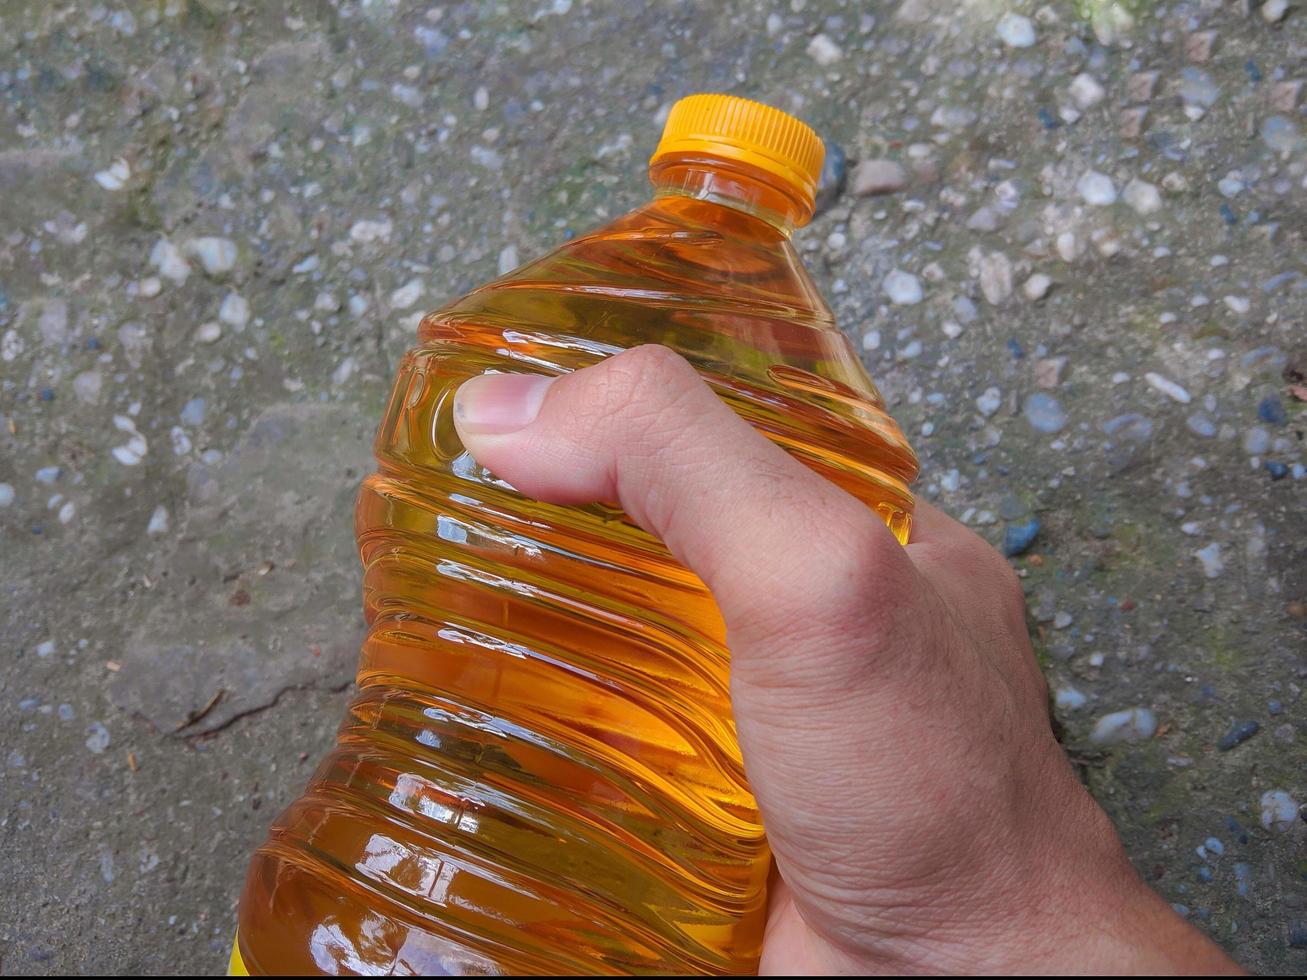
<point x="540" y="771"/>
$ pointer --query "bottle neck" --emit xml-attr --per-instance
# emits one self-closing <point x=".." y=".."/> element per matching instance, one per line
<point x="732" y="184"/>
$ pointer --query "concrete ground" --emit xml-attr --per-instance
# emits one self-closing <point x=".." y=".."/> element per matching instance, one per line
<point x="1068" y="239"/>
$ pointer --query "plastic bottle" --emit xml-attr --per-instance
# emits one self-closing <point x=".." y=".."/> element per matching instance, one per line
<point x="539" y="772"/>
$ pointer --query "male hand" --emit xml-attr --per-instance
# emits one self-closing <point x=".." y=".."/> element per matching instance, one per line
<point x="892" y="717"/>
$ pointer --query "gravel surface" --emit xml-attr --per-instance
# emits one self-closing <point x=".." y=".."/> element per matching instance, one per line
<point x="1069" y="244"/>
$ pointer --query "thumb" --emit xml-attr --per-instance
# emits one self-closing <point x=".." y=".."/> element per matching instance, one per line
<point x="803" y="573"/>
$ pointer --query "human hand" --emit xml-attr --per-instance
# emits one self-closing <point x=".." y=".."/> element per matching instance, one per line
<point x="892" y="717"/>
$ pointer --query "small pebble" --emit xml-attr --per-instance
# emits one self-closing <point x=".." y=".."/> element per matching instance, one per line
<point x="6" y="494"/>
<point x="1049" y="371"/>
<point x="97" y="737"/>
<point x="1167" y="387"/>
<point x="1086" y="91"/>
<point x="1197" y="88"/>
<point x="1277" y="469"/>
<point x="1096" y="188"/>
<point x="995" y="273"/>
<point x="1271" y="410"/>
<point x="1256" y="441"/>
<point x="1211" y="560"/>
<point x="1273" y="11"/>
<point x="1239" y="733"/>
<point x="1142" y="197"/>
<point x="1279" y="810"/>
<point x="1230" y="186"/>
<point x="406" y="295"/>
<point x="217" y="256"/>
<point x="873" y="177"/>
<point x="1015" y="31"/>
<point x="1280" y="133"/>
<point x="115" y="176"/>
<point x="824" y="51"/>
<point x="234" y="311"/>
<point x="902" y="288"/>
<point x="1036" y="287"/>
<point x="1018" y="538"/>
<point x="1130" y="725"/>
<point x="989" y="402"/>
<point x="1069" y="699"/>
<point x="1198" y="46"/>
<point x="1045" y="413"/>
<point x="192" y="412"/>
<point x="158" y="521"/>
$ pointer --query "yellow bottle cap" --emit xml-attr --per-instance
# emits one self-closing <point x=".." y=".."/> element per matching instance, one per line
<point x="747" y="131"/>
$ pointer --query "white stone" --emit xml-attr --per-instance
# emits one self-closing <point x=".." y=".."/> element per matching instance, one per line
<point x="1086" y="91"/>
<point x="234" y="310"/>
<point x="1237" y="304"/>
<point x="115" y="176"/>
<point x="507" y="259"/>
<point x="1015" y="31"/>
<point x="989" y="402"/>
<point x="1167" y="387"/>
<point x="995" y="273"/>
<point x="1279" y="811"/>
<point x="985" y="218"/>
<point x="1273" y="11"/>
<point x="406" y="295"/>
<point x="824" y="51"/>
<point x="1069" y="246"/>
<point x="481" y="99"/>
<point x="158" y="521"/>
<point x="1096" y="188"/>
<point x="1069" y="699"/>
<point x="6" y="494"/>
<point x="902" y="288"/>
<point x="216" y="255"/>
<point x="877" y="177"/>
<point x="1142" y="196"/>
<point x="208" y="333"/>
<point x="168" y="259"/>
<point x="1037" y="287"/>
<point x="1211" y="560"/>
<point x="1130" y="725"/>
<point x="1231" y="185"/>
<point x="371" y="231"/>
<point x="149" y="287"/>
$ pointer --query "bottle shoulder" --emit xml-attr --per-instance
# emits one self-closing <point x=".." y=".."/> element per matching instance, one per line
<point x="697" y="251"/>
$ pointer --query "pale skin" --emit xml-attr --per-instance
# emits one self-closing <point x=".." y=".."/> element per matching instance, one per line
<point x="892" y="717"/>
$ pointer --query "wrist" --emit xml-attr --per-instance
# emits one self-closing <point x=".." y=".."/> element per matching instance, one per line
<point x="1076" y="906"/>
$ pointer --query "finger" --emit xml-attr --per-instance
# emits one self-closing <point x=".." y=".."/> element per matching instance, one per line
<point x="782" y="550"/>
